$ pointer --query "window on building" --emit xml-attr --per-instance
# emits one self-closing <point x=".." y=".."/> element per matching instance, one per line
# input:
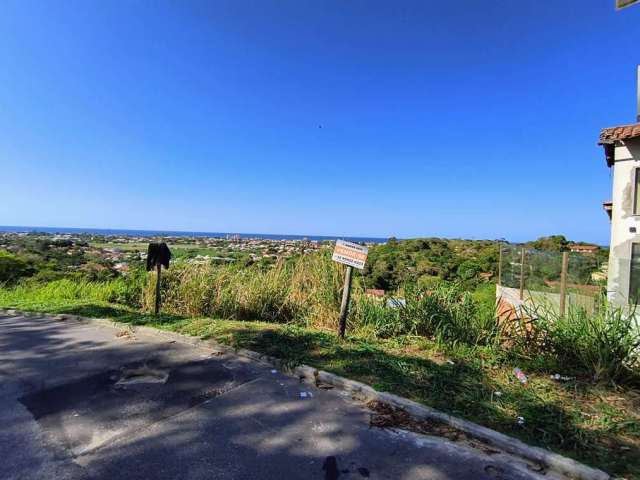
<point x="634" y="275"/>
<point x="636" y="192"/>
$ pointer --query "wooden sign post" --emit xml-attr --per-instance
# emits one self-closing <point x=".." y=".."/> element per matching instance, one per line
<point x="352" y="255"/>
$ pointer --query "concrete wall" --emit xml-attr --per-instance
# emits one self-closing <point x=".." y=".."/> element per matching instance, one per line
<point x="627" y="159"/>
<point x="508" y="296"/>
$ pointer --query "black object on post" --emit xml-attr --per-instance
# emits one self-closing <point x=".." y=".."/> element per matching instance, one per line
<point x="158" y="255"/>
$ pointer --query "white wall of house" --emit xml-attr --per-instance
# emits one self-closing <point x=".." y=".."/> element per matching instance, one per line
<point x="623" y="220"/>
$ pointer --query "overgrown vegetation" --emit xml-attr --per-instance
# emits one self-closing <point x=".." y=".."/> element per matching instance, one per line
<point x="427" y="260"/>
<point x="436" y="341"/>
<point x="606" y="343"/>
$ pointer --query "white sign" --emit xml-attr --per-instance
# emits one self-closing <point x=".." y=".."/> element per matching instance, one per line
<point x="350" y="254"/>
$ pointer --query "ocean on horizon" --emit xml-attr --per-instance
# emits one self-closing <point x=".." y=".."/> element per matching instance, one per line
<point x="171" y="233"/>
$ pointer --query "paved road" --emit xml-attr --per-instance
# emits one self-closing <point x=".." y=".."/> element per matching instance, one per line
<point x="80" y="401"/>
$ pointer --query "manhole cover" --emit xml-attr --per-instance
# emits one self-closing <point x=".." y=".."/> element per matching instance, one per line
<point x="82" y="415"/>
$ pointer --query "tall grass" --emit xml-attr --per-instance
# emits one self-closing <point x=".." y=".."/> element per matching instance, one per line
<point x="444" y="312"/>
<point x="305" y="291"/>
<point x="62" y="290"/>
<point x="605" y="343"/>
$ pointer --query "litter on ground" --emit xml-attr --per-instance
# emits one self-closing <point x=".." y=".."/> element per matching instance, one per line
<point x="520" y="375"/>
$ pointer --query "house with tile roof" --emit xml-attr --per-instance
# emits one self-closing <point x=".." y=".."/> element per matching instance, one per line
<point x="622" y="153"/>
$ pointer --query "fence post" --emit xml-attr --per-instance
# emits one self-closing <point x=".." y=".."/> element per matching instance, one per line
<point x="522" y="274"/>
<point x="563" y="282"/>
<point x="500" y="265"/>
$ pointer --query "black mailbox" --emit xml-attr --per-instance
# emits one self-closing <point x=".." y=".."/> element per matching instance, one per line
<point x="158" y="254"/>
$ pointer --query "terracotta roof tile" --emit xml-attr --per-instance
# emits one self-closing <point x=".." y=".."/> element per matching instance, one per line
<point x="623" y="132"/>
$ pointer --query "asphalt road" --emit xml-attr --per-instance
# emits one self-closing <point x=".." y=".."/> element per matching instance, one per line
<point x="80" y="401"/>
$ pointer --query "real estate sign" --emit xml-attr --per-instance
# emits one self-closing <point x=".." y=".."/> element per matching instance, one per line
<point x="350" y="254"/>
<point x="625" y="3"/>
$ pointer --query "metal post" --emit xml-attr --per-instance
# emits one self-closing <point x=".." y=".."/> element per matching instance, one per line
<point x="344" y="307"/>
<point x="522" y="274"/>
<point x="158" y="269"/>
<point x="563" y="282"/>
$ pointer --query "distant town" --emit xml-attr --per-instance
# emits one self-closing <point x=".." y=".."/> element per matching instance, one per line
<point x="119" y="252"/>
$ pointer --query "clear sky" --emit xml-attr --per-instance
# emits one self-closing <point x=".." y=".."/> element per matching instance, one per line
<point x="475" y="119"/>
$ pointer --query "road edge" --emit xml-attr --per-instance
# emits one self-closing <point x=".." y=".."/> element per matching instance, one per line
<point x="360" y="391"/>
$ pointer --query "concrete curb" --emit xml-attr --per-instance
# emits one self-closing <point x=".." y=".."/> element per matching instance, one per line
<point x="360" y="391"/>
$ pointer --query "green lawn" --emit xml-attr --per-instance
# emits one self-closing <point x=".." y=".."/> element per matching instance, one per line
<point x="596" y="424"/>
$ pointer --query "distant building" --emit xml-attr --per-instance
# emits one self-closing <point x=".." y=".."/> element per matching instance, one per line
<point x="121" y="267"/>
<point x="622" y="153"/>
<point x="600" y="275"/>
<point x="583" y="248"/>
<point x="486" y="276"/>
<point x="374" y="292"/>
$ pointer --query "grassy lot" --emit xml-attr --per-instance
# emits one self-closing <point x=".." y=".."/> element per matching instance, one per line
<point x="598" y="424"/>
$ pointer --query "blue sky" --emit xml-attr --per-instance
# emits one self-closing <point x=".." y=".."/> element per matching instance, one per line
<point x="466" y="119"/>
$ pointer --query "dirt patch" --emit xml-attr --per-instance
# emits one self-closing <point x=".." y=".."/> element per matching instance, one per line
<point x="387" y="416"/>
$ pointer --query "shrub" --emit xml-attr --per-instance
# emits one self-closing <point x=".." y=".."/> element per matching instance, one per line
<point x="12" y="268"/>
<point x="128" y="290"/>
<point x="605" y="343"/>
<point x="450" y="314"/>
<point x="374" y="318"/>
<point x="444" y="312"/>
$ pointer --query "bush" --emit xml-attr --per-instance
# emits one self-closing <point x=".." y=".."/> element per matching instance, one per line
<point x="444" y="312"/>
<point x="374" y="318"/>
<point x="13" y="268"/>
<point x="606" y="343"/>
<point x="127" y="290"/>
<point x="451" y="315"/>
